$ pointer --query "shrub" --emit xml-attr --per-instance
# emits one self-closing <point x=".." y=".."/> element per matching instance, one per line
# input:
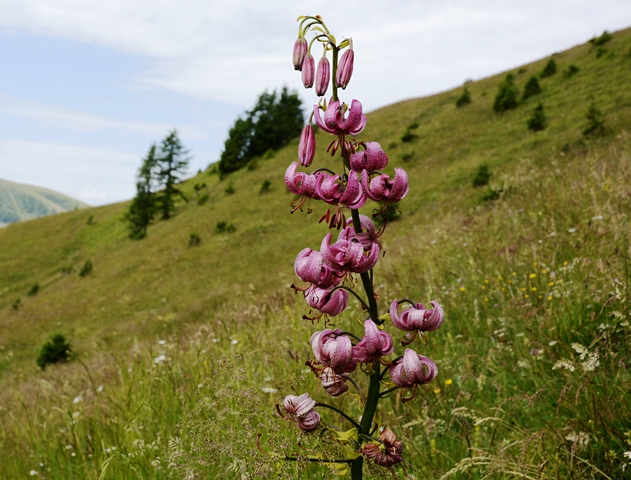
<point x="33" y="291"/>
<point x="507" y="94"/>
<point x="199" y="186"/>
<point x="407" y="157"/>
<point x="408" y="136"/>
<point x="253" y="164"/>
<point x="16" y="304"/>
<point x="225" y="227"/>
<point x="90" y="220"/>
<point x="595" y="124"/>
<point x="571" y="71"/>
<point x="269" y="154"/>
<point x="491" y="195"/>
<point x="600" y="51"/>
<point x="54" y="351"/>
<point x="194" y="240"/>
<point x="532" y="88"/>
<point x="550" y="69"/>
<point x="600" y="41"/>
<point x="413" y="126"/>
<point x="203" y="199"/>
<point x="229" y="189"/>
<point x="464" y="99"/>
<point x="482" y="176"/>
<point x="538" y="119"/>
<point x="86" y="269"/>
<point x="265" y="186"/>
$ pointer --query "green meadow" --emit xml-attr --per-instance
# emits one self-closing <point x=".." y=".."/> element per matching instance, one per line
<point x="181" y="352"/>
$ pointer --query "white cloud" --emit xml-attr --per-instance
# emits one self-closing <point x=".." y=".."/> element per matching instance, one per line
<point x="233" y="50"/>
<point x="94" y="175"/>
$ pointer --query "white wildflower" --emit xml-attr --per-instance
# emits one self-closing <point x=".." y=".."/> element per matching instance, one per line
<point x="597" y="217"/>
<point x="580" y="438"/>
<point x="32" y="473"/>
<point x="627" y="454"/>
<point x="563" y="364"/>
<point x="78" y="399"/>
<point x="162" y="342"/>
<point x="99" y="389"/>
<point x="234" y="342"/>
<point x="552" y="343"/>
<point x="269" y="390"/>
<point x="160" y="358"/>
<point x="571" y="230"/>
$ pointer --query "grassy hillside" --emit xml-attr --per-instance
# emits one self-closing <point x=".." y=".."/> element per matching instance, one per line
<point x="19" y="202"/>
<point x="533" y="355"/>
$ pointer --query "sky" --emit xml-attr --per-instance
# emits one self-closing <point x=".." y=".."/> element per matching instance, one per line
<point x="87" y="86"/>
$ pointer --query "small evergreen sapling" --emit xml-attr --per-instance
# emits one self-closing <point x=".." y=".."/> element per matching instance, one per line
<point x="538" y="119"/>
<point x="550" y="69"/>
<point x="532" y="88"/>
<point x="56" y="350"/>
<point x="595" y="124"/>
<point x="482" y="176"/>
<point x="507" y="94"/>
<point x="464" y="99"/>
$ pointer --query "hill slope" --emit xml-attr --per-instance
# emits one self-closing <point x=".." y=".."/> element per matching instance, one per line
<point x="19" y="202"/>
<point x="532" y="271"/>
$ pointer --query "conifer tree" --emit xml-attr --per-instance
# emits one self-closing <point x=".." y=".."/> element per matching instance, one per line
<point x="143" y="206"/>
<point x="171" y="164"/>
<point x="507" y="94"/>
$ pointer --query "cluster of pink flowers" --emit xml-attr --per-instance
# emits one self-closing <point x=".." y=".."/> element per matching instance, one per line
<point x="331" y="273"/>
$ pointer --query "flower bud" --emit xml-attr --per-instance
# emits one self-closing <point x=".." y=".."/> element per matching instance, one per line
<point x="323" y="76"/>
<point x="345" y="68"/>
<point x="300" y="51"/>
<point x="307" y="146"/>
<point x="308" y="71"/>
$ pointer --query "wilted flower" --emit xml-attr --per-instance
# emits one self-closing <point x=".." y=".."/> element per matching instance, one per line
<point x="413" y="369"/>
<point x="327" y="301"/>
<point x="371" y="159"/>
<point x="300" y="409"/>
<point x="375" y="344"/>
<point x="310" y="268"/>
<point x="334" y="121"/>
<point x="417" y="317"/>
<point x="345" y="68"/>
<point x="332" y="190"/>
<point x="308" y="71"/>
<point x="334" y="384"/>
<point x="323" y="76"/>
<point x="300" y="51"/>
<point x="334" y="350"/>
<point x="307" y="146"/>
<point x="381" y="188"/>
<point x="388" y="452"/>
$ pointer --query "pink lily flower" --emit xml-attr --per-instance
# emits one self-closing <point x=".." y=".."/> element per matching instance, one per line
<point x="375" y="344"/>
<point x="300" y="51"/>
<point x="334" y="384"/>
<point x="348" y="254"/>
<point x="329" y="190"/>
<point x="345" y="68"/>
<point x="334" y="121"/>
<point x="412" y="370"/>
<point x="333" y="350"/>
<point x="326" y="301"/>
<point x="367" y="237"/>
<point x="306" y="146"/>
<point x="310" y="268"/>
<point x="417" y="318"/>
<point x="300" y="409"/>
<point x="308" y="71"/>
<point x="323" y="76"/>
<point x="381" y="188"/>
<point x="302" y="184"/>
<point x="371" y="159"/>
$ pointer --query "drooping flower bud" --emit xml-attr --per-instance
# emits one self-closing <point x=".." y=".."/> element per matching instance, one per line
<point x="371" y="159"/>
<point x="345" y="68"/>
<point x="300" y="51"/>
<point x="413" y="369"/>
<point x="323" y="76"/>
<point x="306" y="146"/>
<point x="308" y="71"/>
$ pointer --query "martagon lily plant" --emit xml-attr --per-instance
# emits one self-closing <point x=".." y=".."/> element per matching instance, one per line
<point x="331" y="274"/>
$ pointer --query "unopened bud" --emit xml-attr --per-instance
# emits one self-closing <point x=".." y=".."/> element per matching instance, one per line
<point x="345" y="68"/>
<point x="323" y="76"/>
<point x="308" y="71"/>
<point x="300" y="51"/>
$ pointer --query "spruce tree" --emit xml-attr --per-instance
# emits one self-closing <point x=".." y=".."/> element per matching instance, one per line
<point x="507" y="94"/>
<point x="143" y="206"/>
<point x="171" y="164"/>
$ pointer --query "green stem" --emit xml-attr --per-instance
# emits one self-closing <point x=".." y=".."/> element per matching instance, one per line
<point x="336" y="51"/>
<point x="326" y="405"/>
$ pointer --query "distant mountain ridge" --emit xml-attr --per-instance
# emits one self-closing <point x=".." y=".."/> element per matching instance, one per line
<point x="19" y="202"/>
